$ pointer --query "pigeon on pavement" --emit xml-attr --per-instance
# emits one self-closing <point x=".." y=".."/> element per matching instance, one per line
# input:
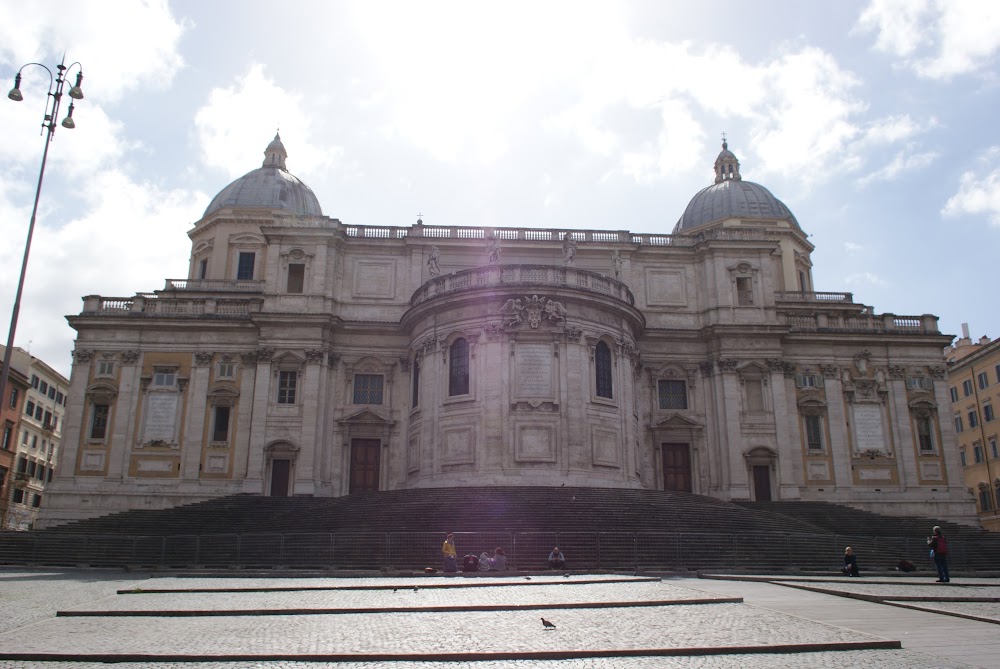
<point x="547" y="625"/>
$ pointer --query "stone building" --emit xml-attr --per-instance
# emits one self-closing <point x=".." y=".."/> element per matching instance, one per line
<point x="10" y="418"/>
<point x="974" y="384"/>
<point x="306" y="356"/>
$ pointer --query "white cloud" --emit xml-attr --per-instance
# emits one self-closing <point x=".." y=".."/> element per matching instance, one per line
<point x="892" y="129"/>
<point x="903" y="162"/>
<point x="978" y="191"/>
<point x="865" y="279"/>
<point x="853" y="248"/>
<point x="123" y="46"/>
<point x="937" y="39"/>
<point x="236" y="124"/>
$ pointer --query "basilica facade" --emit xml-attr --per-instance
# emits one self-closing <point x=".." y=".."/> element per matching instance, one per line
<point x="306" y="356"/>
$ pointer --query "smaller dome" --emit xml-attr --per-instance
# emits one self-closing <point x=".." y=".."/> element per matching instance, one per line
<point x="270" y="186"/>
<point x="731" y="197"/>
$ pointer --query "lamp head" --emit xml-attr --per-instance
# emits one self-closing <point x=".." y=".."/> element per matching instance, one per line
<point x="76" y="92"/>
<point x="68" y="121"/>
<point x="15" y="93"/>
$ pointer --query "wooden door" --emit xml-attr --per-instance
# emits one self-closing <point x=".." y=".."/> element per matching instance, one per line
<point x="677" y="467"/>
<point x="280" y="469"/>
<point x="762" y="483"/>
<point x="364" y="464"/>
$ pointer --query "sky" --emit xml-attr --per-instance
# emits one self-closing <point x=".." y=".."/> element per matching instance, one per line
<point x="870" y="120"/>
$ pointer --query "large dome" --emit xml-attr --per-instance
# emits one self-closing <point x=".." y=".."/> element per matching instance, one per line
<point x="270" y="186"/>
<point x="731" y="197"/>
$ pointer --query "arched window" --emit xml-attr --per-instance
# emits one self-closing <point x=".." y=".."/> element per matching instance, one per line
<point x="602" y="369"/>
<point x="458" y="368"/>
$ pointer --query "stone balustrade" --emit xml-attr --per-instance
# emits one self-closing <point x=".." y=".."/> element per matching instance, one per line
<point x="523" y="276"/>
<point x="150" y="304"/>
<point x="861" y="322"/>
<point x="216" y="285"/>
<point x="810" y="296"/>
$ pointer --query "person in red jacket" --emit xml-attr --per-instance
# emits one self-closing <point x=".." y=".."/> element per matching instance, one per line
<point x="939" y="551"/>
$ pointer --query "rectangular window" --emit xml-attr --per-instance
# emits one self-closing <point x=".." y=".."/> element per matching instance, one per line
<point x="36" y="500"/>
<point x="296" y="277"/>
<point x="985" y="499"/>
<point x="34" y="441"/>
<point x="996" y="370"/>
<point x="977" y="452"/>
<point x="227" y="370"/>
<point x="52" y="392"/>
<point x="814" y="432"/>
<point x="59" y="398"/>
<point x="164" y="377"/>
<point x="22" y="465"/>
<point x="32" y="465"/>
<point x="966" y="388"/>
<point x="973" y="419"/>
<point x="8" y="432"/>
<point x="105" y="368"/>
<point x="807" y="381"/>
<point x="919" y="382"/>
<point x="13" y="398"/>
<point x="18" y="496"/>
<point x="203" y="268"/>
<point x="38" y="412"/>
<point x="244" y="265"/>
<point x="415" y="399"/>
<point x="924" y="438"/>
<point x="954" y="394"/>
<point x="672" y="394"/>
<point x="221" y="427"/>
<point x="29" y="408"/>
<point x="744" y="291"/>
<point x="368" y="389"/>
<point x="958" y="423"/>
<point x="988" y="412"/>
<point x="754" y="389"/>
<point x="48" y="419"/>
<point x="993" y="448"/>
<point x="983" y="380"/>
<point x="24" y="437"/>
<point x="99" y="421"/>
<point x="961" y="455"/>
<point x="287" y="382"/>
<point x="34" y="381"/>
<point x="43" y="388"/>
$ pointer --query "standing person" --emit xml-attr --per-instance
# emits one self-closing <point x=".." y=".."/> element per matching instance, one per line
<point x="850" y="563"/>
<point x="939" y="551"/>
<point x="450" y="554"/>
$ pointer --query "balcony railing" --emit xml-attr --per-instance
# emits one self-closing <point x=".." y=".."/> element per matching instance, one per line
<point x="809" y="296"/>
<point x="522" y="276"/>
<point x="151" y="304"/>
<point x="862" y="322"/>
<point x="216" y="285"/>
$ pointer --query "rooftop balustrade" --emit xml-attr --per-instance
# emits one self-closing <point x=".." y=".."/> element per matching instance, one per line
<point x="151" y="304"/>
<point x="865" y="321"/>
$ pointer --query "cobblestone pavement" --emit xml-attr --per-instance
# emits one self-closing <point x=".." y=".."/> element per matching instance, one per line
<point x="497" y="595"/>
<point x="902" y="590"/>
<point x="874" y="659"/>
<point x="28" y="601"/>
<point x="989" y="611"/>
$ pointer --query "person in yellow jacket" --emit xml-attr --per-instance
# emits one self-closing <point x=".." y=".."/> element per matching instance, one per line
<point x="450" y="554"/>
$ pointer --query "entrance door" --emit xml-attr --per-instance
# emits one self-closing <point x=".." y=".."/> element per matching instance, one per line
<point x="280" y="469"/>
<point x="364" y="464"/>
<point x="677" y="467"/>
<point x="762" y="483"/>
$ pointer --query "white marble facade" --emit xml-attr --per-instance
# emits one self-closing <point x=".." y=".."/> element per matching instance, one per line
<point x="305" y="356"/>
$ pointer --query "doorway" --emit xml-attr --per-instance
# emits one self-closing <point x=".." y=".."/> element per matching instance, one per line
<point x="762" y="483"/>
<point x="281" y="468"/>
<point x="677" y="467"/>
<point x="364" y="464"/>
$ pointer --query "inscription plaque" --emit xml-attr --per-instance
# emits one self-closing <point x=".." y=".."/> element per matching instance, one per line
<point x="868" y="432"/>
<point x="161" y="417"/>
<point x="534" y="370"/>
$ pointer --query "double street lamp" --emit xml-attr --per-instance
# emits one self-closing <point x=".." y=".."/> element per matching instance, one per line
<point x="57" y="82"/>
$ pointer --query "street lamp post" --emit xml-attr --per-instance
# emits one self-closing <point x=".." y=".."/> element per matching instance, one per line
<point x="56" y="84"/>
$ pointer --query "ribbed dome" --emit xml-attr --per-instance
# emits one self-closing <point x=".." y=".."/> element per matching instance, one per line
<point x="731" y="197"/>
<point x="270" y="186"/>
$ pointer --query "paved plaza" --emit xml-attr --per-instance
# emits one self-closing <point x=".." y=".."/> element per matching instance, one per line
<point x="82" y="619"/>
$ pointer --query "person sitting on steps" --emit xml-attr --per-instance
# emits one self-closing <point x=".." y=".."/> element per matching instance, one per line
<point x="556" y="559"/>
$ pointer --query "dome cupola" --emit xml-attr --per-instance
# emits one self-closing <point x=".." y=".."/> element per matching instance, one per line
<point x="270" y="186"/>
<point x="731" y="197"/>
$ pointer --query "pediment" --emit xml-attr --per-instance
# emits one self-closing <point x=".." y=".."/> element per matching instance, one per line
<point x="365" y="417"/>
<point x="677" y="421"/>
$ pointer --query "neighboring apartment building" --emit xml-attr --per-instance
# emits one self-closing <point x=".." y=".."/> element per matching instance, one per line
<point x="10" y="416"/>
<point x="974" y="382"/>
<point x="35" y="438"/>
<point x="305" y="356"/>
